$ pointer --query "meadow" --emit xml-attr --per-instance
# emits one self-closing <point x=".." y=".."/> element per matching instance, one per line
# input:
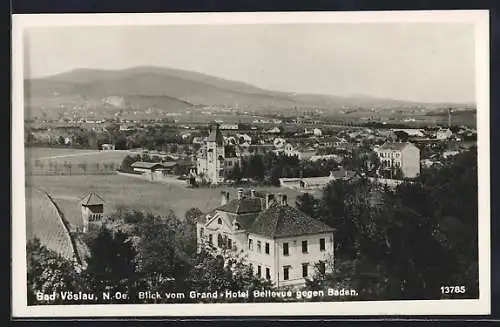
<point x="55" y="160"/>
<point x="119" y="190"/>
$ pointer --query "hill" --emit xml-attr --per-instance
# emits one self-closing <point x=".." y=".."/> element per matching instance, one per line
<point x="175" y="90"/>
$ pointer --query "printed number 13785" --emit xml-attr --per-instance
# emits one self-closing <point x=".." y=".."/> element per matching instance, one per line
<point x="452" y="289"/>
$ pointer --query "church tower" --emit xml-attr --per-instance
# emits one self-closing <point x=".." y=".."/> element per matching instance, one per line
<point x="215" y="155"/>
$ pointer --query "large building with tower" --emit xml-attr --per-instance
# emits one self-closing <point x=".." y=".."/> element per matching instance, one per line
<point x="215" y="159"/>
<point x="280" y="243"/>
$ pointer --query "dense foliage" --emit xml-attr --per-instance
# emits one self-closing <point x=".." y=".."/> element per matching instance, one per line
<point x="404" y="243"/>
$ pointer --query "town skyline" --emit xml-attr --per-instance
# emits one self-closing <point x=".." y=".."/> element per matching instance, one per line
<point x="409" y="62"/>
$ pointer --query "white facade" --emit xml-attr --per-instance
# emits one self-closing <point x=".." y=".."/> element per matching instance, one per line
<point x="404" y="156"/>
<point x="444" y="134"/>
<point x="317" y="132"/>
<point x="285" y="260"/>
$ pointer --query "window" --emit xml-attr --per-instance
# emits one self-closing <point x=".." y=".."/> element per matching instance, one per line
<point x="285" y="249"/>
<point x="304" y="269"/>
<point x="251" y="268"/>
<point x="259" y="271"/>
<point x="322" y="267"/>
<point x="229" y="243"/>
<point x="201" y="232"/>
<point x="268" y="273"/>
<point x="259" y="246"/>
<point x="322" y="244"/>
<point x="220" y="241"/>
<point x="286" y="273"/>
<point x="219" y="221"/>
<point x="304" y="246"/>
<point x="210" y="239"/>
<point x="267" y="248"/>
<point x="250" y="244"/>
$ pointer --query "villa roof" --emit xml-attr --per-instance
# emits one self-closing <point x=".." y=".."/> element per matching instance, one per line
<point x="91" y="199"/>
<point x="394" y="146"/>
<point x="245" y="205"/>
<point x="283" y="220"/>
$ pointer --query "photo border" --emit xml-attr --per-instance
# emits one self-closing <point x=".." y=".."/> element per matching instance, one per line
<point x="481" y="306"/>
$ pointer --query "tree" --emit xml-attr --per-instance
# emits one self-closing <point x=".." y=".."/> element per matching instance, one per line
<point x="384" y="237"/>
<point x="160" y="251"/>
<point x="308" y="205"/>
<point x="111" y="266"/>
<point x="126" y="165"/>
<point x="226" y="271"/>
<point x="49" y="272"/>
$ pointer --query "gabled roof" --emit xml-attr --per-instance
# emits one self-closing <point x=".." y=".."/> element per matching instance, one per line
<point x="245" y="205"/>
<point x="147" y="165"/>
<point x="283" y="220"/>
<point x="91" y="199"/>
<point x="394" y="146"/>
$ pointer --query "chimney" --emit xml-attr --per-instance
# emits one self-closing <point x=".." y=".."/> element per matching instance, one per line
<point x="224" y="197"/>
<point x="269" y="200"/>
<point x="252" y="193"/>
<point x="240" y="193"/>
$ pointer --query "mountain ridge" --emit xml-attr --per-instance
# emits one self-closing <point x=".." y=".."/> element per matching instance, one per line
<point x="190" y="88"/>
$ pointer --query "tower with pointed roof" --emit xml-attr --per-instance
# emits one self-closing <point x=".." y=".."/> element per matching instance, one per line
<point x="92" y="206"/>
<point x="213" y="168"/>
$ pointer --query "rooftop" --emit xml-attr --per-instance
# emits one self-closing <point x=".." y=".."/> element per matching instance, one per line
<point x="245" y="205"/>
<point x="148" y="165"/>
<point x="91" y="199"/>
<point x="283" y="220"/>
<point x="394" y="146"/>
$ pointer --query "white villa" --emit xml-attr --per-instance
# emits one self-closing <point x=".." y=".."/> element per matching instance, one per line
<point x="405" y="156"/>
<point x="280" y="243"/>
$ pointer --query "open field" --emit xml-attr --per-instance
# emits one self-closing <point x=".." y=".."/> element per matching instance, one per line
<point x="44" y="160"/>
<point x="118" y="190"/>
<point x="43" y="222"/>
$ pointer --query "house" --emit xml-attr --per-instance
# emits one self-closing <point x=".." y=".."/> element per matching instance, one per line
<point x="336" y="157"/>
<point x="450" y="153"/>
<point x="279" y="242"/>
<point x="228" y="126"/>
<point x="444" y="134"/>
<point x="317" y="132"/>
<point x="92" y="208"/>
<point x="244" y="138"/>
<point x="274" y="130"/>
<point x="403" y="156"/>
<point x="107" y="147"/>
<point x="313" y="183"/>
<point x="415" y="132"/>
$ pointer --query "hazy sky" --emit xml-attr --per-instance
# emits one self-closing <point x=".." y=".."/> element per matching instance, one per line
<point x="418" y="61"/>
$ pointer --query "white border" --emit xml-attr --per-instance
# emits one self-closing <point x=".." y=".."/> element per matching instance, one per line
<point x="480" y="18"/>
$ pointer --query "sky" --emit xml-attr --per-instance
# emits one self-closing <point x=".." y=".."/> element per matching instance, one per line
<point x="429" y="62"/>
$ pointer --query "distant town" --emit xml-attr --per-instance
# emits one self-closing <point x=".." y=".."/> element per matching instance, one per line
<point x="219" y="199"/>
